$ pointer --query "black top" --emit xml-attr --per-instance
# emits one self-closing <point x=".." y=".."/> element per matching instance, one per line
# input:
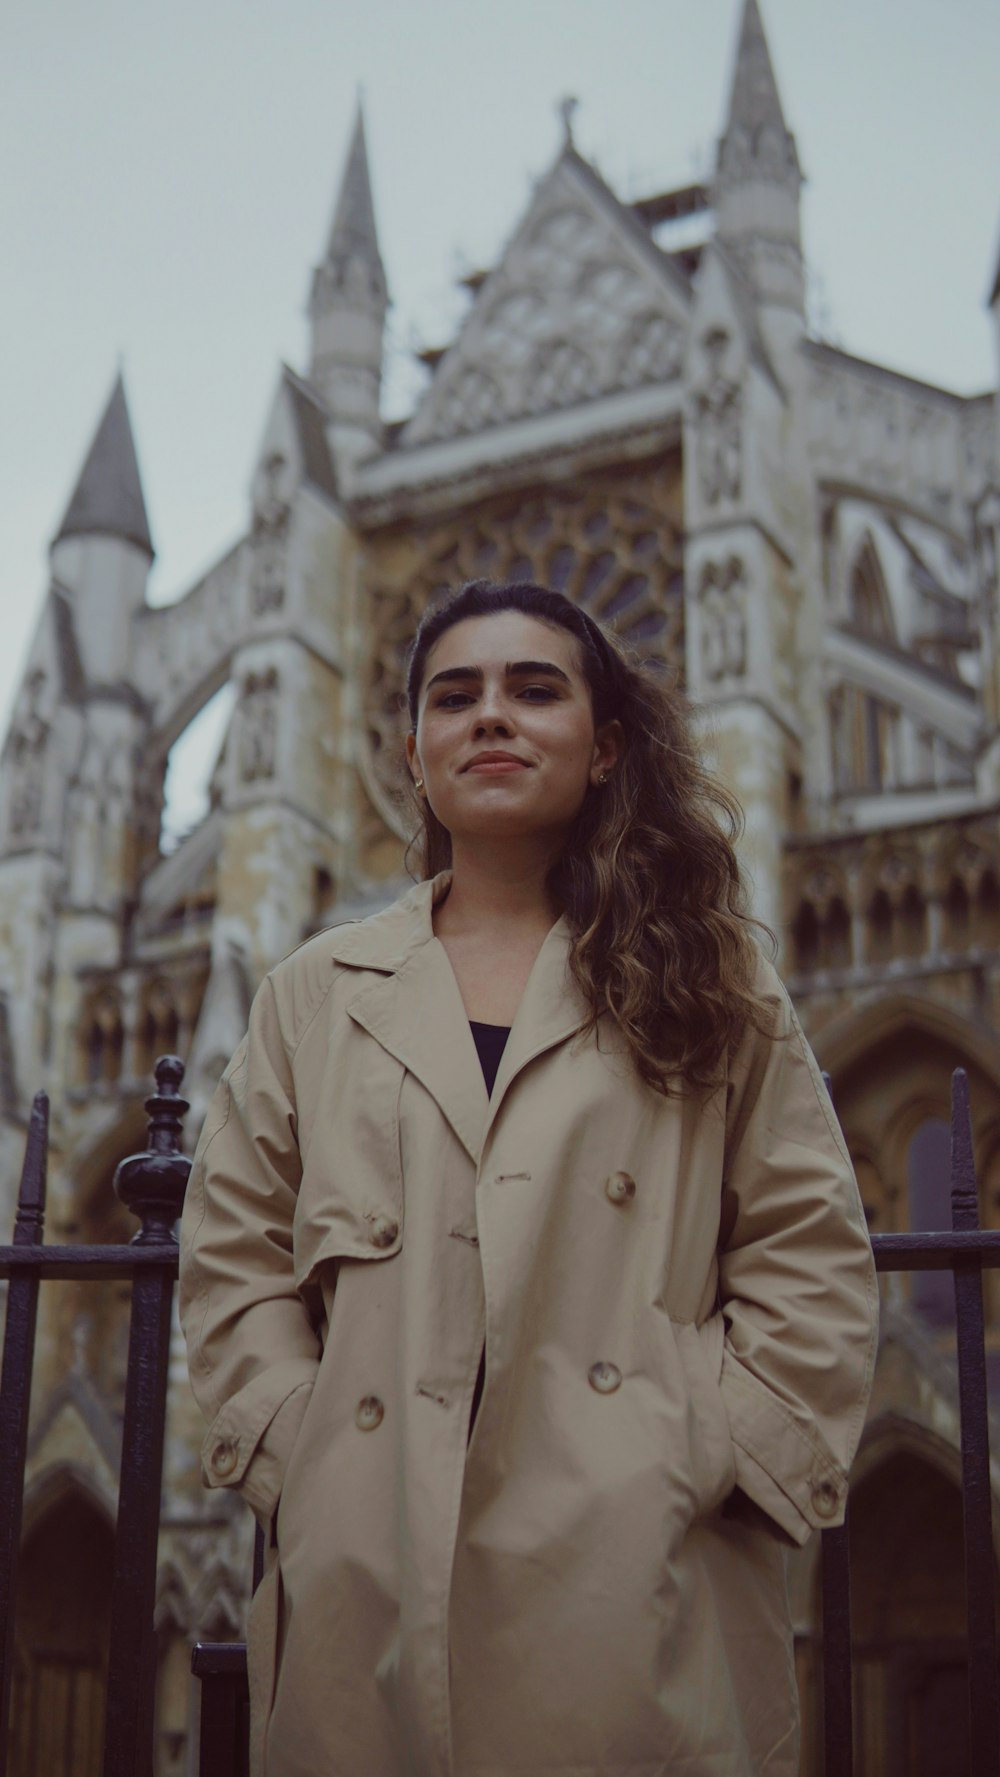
<point x="490" y="1041"/>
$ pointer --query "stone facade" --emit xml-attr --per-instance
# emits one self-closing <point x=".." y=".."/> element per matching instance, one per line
<point x="810" y="541"/>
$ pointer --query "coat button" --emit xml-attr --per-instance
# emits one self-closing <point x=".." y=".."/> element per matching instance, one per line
<point x="383" y="1231"/>
<point x="620" y="1187"/>
<point x="825" y="1498"/>
<point x="224" y="1458"/>
<point x="604" y="1377"/>
<point x="369" y="1413"/>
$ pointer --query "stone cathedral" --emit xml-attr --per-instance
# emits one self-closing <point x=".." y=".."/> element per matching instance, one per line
<point x="633" y="410"/>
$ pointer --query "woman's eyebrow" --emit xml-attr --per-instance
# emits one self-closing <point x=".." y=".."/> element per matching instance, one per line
<point x="512" y="668"/>
<point x="535" y="667"/>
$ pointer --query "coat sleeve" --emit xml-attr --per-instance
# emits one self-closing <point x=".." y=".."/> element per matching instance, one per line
<point x="253" y="1352"/>
<point x="797" y="1283"/>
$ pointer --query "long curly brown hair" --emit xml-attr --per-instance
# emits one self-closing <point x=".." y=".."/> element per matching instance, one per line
<point x="648" y="879"/>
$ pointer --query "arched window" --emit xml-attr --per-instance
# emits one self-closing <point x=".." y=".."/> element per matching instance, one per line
<point x="911" y="923"/>
<point x="821" y="941"/>
<point x="956" y="915"/>
<point x="101" y="1039"/>
<point x="159" y="1027"/>
<point x="871" y="612"/>
<point x="805" y="936"/>
<point x="835" y="941"/>
<point x="62" y="1627"/>
<point x="863" y="738"/>
<point x="908" y="1621"/>
<point x="987" y="911"/>
<point x="880" y="928"/>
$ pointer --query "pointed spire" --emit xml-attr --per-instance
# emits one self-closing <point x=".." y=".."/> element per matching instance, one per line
<point x="108" y="498"/>
<point x="756" y="141"/>
<point x="756" y="189"/>
<point x="754" y="98"/>
<point x="353" y="236"/>
<point x="567" y="107"/>
<point x="347" y="308"/>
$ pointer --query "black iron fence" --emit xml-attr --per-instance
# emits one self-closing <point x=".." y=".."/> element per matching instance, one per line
<point x="152" y="1185"/>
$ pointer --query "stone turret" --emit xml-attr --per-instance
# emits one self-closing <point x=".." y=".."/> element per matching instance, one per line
<point x="756" y="190"/>
<point x="102" y="551"/>
<point x="347" y="309"/>
<point x="76" y="809"/>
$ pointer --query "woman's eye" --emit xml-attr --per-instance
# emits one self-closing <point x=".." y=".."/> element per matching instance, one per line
<point x="538" y="693"/>
<point x="452" y="700"/>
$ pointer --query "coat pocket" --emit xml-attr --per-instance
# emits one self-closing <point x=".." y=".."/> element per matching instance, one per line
<point x="713" y="1457"/>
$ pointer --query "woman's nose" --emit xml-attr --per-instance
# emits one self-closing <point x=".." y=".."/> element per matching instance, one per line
<point x="492" y="722"/>
<point x="493" y="714"/>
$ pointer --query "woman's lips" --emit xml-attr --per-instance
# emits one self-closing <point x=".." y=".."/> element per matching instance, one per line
<point x="496" y="767"/>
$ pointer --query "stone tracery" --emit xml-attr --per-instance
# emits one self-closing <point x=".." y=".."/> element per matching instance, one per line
<point x="911" y="898"/>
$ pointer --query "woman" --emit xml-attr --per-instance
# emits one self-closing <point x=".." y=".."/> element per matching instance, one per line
<point x="533" y="1362"/>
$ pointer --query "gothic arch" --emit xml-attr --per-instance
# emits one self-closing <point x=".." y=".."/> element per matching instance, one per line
<point x="908" y="1607"/>
<point x="120" y="1133"/>
<point x="46" y="1493"/>
<point x="889" y="1435"/>
<point x="100" y="1037"/>
<point x="891" y="1063"/>
<point x="868" y="596"/>
<point x="846" y="1041"/>
<point x="61" y="1638"/>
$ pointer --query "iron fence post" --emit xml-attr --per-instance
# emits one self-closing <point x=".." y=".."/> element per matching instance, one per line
<point x="980" y="1562"/>
<point x="15" y="1393"/>
<point x="152" y="1186"/>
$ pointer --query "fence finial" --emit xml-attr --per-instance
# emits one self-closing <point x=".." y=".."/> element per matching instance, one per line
<point x="152" y="1184"/>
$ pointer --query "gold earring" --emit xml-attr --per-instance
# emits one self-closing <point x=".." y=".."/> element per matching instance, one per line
<point x="418" y="783"/>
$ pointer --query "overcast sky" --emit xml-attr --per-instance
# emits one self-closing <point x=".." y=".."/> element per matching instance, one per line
<point x="170" y="168"/>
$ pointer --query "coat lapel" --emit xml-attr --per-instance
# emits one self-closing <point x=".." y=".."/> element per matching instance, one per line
<point x="551" y="1009"/>
<point x="415" y="1009"/>
<point x="418" y="1016"/>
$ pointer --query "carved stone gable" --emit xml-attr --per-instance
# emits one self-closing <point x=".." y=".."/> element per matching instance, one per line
<point x="581" y="305"/>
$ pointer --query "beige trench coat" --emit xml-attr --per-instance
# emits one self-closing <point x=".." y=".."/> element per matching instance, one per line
<point x="569" y="1595"/>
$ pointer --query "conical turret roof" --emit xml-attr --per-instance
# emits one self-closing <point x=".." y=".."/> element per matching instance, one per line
<point x="107" y="499"/>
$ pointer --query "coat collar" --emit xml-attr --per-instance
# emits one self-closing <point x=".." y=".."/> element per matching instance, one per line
<point x="415" y="1009"/>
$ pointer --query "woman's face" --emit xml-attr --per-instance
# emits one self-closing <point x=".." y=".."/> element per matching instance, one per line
<point x="512" y="687"/>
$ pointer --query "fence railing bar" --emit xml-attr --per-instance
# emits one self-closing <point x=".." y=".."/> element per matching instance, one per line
<point x="935" y="1252"/>
<point x="152" y="1185"/>
<point x="838" y="1710"/>
<point x="15" y="1392"/>
<point x="86" y="1264"/>
<point x="980" y="1563"/>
